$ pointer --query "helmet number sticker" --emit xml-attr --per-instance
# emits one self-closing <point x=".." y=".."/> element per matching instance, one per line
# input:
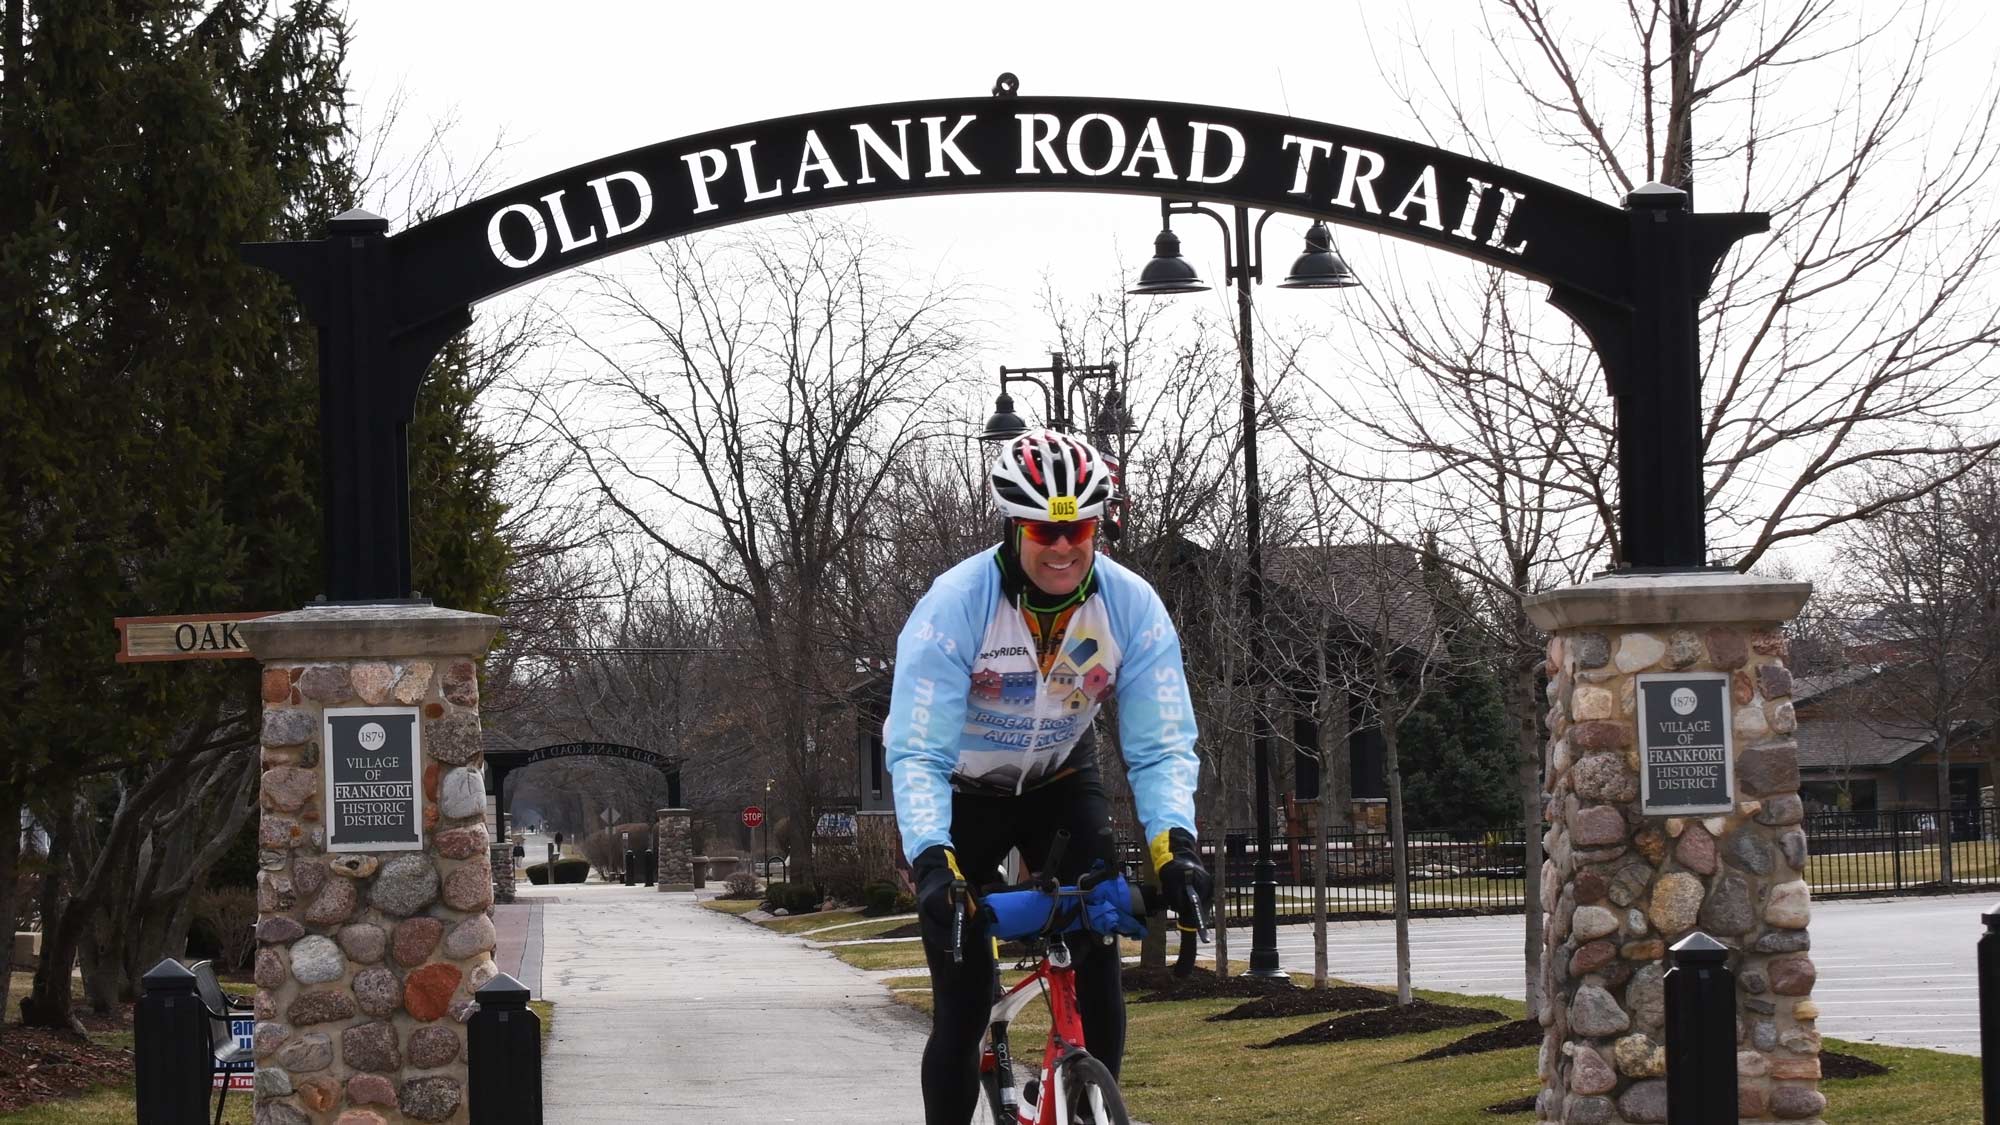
<point x="1062" y="507"/>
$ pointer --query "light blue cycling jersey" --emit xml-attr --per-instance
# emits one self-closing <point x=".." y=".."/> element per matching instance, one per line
<point x="972" y="708"/>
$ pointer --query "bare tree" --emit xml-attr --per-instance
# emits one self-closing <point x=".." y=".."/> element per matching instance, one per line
<point x="1833" y="347"/>
<point x="753" y="402"/>
<point x="1837" y="345"/>
<point x="1926" y="566"/>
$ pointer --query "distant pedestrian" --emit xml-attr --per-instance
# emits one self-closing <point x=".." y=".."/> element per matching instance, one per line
<point x="558" y="839"/>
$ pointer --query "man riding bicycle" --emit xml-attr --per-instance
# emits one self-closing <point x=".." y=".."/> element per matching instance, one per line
<point x="1000" y="671"/>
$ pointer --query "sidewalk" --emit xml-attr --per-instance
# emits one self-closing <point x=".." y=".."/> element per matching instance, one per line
<point x="664" y="1009"/>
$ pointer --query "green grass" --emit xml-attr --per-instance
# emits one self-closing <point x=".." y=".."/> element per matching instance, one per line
<point x="888" y="955"/>
<point x="112" y="1105"/>
<point x="797" y="923"/>
<point x="1180" y="1070"/>
<point x="873" y="927"/>
<point x="1921" y="1088"/>
<point x="729" y="905"/>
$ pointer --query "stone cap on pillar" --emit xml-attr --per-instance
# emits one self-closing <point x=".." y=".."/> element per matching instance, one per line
<point x="683" y="812"/>
<point x="352" y="631"/>
<point x="1688" y="598"/>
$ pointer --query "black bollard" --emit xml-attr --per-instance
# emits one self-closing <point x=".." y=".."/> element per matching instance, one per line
<point x="652" y="867"/>
<point x="504" y="1056"/>
<point x="1989" y="1014"/>
<point x="1701" y="1033"/>
<point x="171" y="1055"/>
<point x="631" y="867"/>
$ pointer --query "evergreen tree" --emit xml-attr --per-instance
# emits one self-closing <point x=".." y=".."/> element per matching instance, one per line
<point x="1457" y="750"/>
<point x="1457" y="757"/>
<point x="158" y="399"/>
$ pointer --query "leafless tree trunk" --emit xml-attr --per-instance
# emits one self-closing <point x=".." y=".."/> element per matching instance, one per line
<point x="770" y="383"/>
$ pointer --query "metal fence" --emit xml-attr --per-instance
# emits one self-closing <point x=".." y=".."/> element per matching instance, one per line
<point x="1892" y="851"/>
<point x="1479" y="871"/>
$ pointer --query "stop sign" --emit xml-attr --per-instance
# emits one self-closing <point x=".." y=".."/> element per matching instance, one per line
<point x="752" y="816"/>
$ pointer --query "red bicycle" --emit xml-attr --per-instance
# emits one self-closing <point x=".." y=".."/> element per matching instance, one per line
<point x="1071" y="1087"/>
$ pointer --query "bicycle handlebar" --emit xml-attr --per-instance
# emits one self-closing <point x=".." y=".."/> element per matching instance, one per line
<point x="1146" y="899"/>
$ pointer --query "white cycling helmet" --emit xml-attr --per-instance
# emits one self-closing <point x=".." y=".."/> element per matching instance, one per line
<point x="1051" y="475"/>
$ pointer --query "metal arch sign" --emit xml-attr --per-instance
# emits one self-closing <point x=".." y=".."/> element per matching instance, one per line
<point x="1632" y="277"/>
<point x="592" y="750"/>
<point x="870" y="153"/>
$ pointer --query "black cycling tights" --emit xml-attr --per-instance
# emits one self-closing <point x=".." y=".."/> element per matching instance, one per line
<point x="983" y="830"/>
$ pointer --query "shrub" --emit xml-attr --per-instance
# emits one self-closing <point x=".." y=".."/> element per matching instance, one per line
<point x="878" y="899"/>
<point x="792" y="898"/>
<point x="742" y="884"/>
<point x="538" y="874"/>
<point x="227" y="916"/>
<point x="572" y="870"/>
<point x="840" y="872"/>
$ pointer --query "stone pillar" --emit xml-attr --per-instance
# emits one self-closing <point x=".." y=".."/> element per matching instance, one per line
<point x="674" y="839"/>
<point x="1619" y="886"/>
<point x="879" y="843"/>
<point x="367" y="961"/>
<point x="502" y="859"/>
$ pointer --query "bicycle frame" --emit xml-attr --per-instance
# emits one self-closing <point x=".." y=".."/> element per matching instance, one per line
<point x="1055" y="977"/>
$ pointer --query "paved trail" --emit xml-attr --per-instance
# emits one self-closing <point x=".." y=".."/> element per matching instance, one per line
<point x="666" y="1011"/>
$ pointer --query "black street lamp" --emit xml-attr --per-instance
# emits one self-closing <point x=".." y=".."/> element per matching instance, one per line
<point x="1057" y="404"/>
<point x="1065" y="378"/>
<point x="1317" y="268"/>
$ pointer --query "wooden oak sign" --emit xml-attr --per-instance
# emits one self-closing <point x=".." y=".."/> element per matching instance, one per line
<point x="183" y="636"/>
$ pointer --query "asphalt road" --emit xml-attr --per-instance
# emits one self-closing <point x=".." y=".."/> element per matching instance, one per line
<point x="1896" y="971"/>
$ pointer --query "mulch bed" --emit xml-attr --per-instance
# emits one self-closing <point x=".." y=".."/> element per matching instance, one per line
<point x="1519" y="1033"/>
<point x="906" y="930"/>
<point x="1199" y="984"/>
<point x="1385" y="1022"/>
<point x="38" y="1066"/>
<point x="1833" y="1064"/>
<point x="1306" y="1002"/>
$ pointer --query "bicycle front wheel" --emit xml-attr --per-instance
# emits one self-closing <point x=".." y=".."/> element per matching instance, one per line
<point x="1090" y="1093"/>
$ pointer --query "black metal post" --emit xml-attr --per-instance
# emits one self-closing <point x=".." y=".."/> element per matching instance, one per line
<point x="1701" y="1033"/>
<point x="1264" y="961"/>
<point x="504" y="1056"/>
<point x="1059" y="414"/>
<point x="171" y="1054"/>
<point x="1659" y="457"/>
<point x="1989" y="1015"/>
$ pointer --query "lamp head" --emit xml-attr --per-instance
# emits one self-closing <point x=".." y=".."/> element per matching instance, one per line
<point x="1319" y="267"/>
<point x="1167" y="272"/>
<point x="1004" y="423"/>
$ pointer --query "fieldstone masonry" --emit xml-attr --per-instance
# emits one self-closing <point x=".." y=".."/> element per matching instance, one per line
<point x="502" y="859"/>
<point x="366" y="963"/>
<point x="1619" y="887"/>
<point x="674" y="838"/>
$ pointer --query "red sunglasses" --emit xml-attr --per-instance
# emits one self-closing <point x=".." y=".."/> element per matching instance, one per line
<point x="1046" y="534"/>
